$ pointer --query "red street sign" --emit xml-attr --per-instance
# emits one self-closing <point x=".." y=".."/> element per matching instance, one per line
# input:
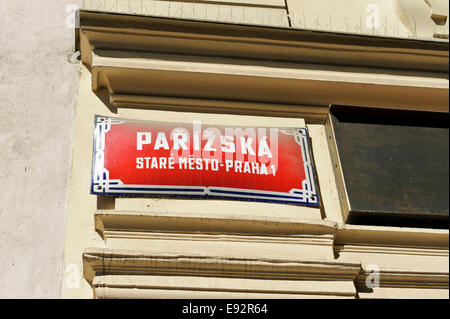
<point x="141" y="158"/>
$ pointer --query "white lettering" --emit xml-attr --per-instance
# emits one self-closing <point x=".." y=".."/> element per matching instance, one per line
<point x="154" y="163"/>
<point x="162" y="162"/>
<point x="247" y="146"/>
<point x="255" y="168"/>
<point x="143" y="138"/>
<point x="161" y="141"/>
<point x="199" y="164"/>
<point x="228" y="165"/>
<point x="208" y="146"/>
<point x="227" y="144"/>
<point x="215" y="165"/>
<point x="139" y="162"/>
<point x="182" y="161"/>
<point x="263" y="148"/>
<point x="247" y="167"/>
<point x="238" y="167"/>
<point x="179" y="140"/>
<point x="263" y="169"/>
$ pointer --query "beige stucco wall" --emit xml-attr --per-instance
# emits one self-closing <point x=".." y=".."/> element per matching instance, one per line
<point x="391" y="18"/>
<point x="267" y="12"/>
<point x="37" y="97"/>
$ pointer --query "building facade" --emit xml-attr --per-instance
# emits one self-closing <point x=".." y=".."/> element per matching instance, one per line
<point x="270" y="63"/>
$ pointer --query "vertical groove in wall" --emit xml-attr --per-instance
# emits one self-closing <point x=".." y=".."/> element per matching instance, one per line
<point x="287" y="14"/>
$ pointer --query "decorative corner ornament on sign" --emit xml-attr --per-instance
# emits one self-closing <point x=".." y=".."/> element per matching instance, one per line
<point x="142" y="158"/>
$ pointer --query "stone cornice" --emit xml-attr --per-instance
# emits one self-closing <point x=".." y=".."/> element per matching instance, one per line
<point x="400" y="237"/>
<point x="312" y="113"/>
<point x="178" y="36"/>
<point x="353" y="238"/>
<point x="211" y="223"/>
<point x="149" y="272"/>
<point x="148" y="62"/>
<point x="406" y="279"/>
<point x="98" y="261"/>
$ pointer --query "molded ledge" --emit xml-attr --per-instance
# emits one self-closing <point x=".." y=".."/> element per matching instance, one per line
<point x="148" y="62"/>
<point x="188" y="287"/>
<point x="100" y="262"/>
<point x="211" y="222"/>
<point x="405" y="279"/>
<point x="112" y="31"/>
<point x="393" y="236"/>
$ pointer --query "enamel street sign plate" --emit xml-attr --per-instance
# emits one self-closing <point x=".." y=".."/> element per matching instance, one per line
<point x="141" y="158"/>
